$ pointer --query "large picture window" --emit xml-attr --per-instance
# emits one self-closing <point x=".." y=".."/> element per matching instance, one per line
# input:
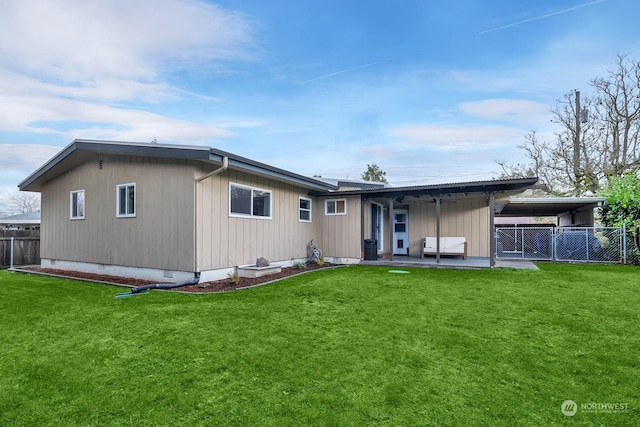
<point x="304" y="213"/>
<point x="77" y="204"/>
<point x="126" y="200"/>
<point x="335" y="207"/>
<point x="249" y="201"/>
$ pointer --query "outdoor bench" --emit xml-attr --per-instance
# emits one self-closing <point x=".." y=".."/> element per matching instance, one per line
<point x="452" y="246"/>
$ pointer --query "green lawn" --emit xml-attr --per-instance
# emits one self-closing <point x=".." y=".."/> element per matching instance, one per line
<point x="349" y="346"/>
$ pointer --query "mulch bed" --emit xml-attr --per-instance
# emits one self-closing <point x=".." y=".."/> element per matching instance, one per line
<point x="117" y="280"/>
<point x="244" y="282"/>
<point x="215" y="286"/>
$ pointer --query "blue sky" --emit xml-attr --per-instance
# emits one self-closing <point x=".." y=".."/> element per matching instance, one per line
<point x="431" y="91"/>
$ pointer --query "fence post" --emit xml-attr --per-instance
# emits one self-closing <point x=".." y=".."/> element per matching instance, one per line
<point x="11" y="251"/>
<point x="624" y="243"/>
<point x="586" y="243"/>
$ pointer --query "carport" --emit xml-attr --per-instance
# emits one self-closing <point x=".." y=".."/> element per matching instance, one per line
<point x="572" y="236"/>
<point x="568" y="211"/>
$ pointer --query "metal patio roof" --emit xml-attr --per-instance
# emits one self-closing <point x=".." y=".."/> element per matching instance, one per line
<point x="504" y="188"/>
<point x="545" y="206"/>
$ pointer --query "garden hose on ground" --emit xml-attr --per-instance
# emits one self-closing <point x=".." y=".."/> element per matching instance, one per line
<point x="139" y="290"/>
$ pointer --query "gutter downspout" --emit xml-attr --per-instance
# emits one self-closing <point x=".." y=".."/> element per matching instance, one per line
<point x="225" y="165"/>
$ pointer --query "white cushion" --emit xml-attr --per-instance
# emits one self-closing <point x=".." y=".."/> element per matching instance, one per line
<point x="453" y="245"/>
<point x="447" y="245"/>
<point x="430" y="244"/>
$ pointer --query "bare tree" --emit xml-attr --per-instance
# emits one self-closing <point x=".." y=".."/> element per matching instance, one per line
<point x="620" y="96"/>
<point x="22" y="202"/>
<point x="598" y="136"/>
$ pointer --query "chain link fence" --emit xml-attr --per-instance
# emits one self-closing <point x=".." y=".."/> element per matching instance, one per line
<point x="572" y="244"/>
<point x="632" y="245"/>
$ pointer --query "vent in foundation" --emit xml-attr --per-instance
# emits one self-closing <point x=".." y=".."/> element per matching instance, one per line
<point x="167" y="273"/>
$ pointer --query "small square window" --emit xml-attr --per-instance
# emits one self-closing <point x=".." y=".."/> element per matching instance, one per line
<point x="304" y="210"/>
<point x="335" y="207"/>
<point x="77" y="204"/>
<point x="126" y="200"/>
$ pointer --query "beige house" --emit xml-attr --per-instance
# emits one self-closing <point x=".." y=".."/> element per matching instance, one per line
<point x="163" y="212"/>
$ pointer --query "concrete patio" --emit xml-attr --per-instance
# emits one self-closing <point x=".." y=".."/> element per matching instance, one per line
<point x="450" y="262"/>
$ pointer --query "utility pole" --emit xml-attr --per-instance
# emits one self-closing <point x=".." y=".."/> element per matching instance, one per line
<point x="576" y="148"/>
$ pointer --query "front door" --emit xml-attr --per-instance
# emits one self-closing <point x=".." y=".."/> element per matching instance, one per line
<point x="400" y="232"/>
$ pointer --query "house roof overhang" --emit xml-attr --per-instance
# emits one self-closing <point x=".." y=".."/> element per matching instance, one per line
<point x="82" y="150"/>
<point x="268" y="171"/>
<point x="545" y="206"/>
<point x="500" y="188"/>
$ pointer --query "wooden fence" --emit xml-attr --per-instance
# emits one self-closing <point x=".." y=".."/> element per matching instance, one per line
<point x="26" y="247"/>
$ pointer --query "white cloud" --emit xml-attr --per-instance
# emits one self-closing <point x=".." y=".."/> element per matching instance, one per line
<point x="67" y="40"/>
<point x="19" y="158"/>
<point x="240" y="122"/>
<point x="507" y="110"/>
<point x="145" y="126"/>
<point x="39" y="114"/>
<point x="71" y="68"/>
<point x="452" y="138"/>
<point x="93" y="89"/>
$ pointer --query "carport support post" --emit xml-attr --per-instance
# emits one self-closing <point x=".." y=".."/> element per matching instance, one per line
<point x="492" y="228"/>
<point x="438" y="223"/>
<point x="391" y="228"/>
<point x="363" y="201"/>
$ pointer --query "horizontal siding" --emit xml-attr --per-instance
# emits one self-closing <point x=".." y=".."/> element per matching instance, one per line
<point x="161" y="234"/>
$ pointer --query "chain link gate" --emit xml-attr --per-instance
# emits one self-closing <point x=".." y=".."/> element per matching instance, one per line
<point x="584" y="244"/>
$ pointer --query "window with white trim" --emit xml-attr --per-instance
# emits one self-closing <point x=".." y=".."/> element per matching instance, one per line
<point x="335" y="207"/>
<point x="126" y="200"/>
<point x="76" y="207"/>
<point x="304" y="210"/>
<point x="249" y="201"/>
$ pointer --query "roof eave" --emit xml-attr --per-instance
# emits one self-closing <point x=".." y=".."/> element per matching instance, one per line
<point x="32" y="182"/>
<point x="199" y="153"/>
<point x="263" y="169"/>
<point x="496" y="186"/>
